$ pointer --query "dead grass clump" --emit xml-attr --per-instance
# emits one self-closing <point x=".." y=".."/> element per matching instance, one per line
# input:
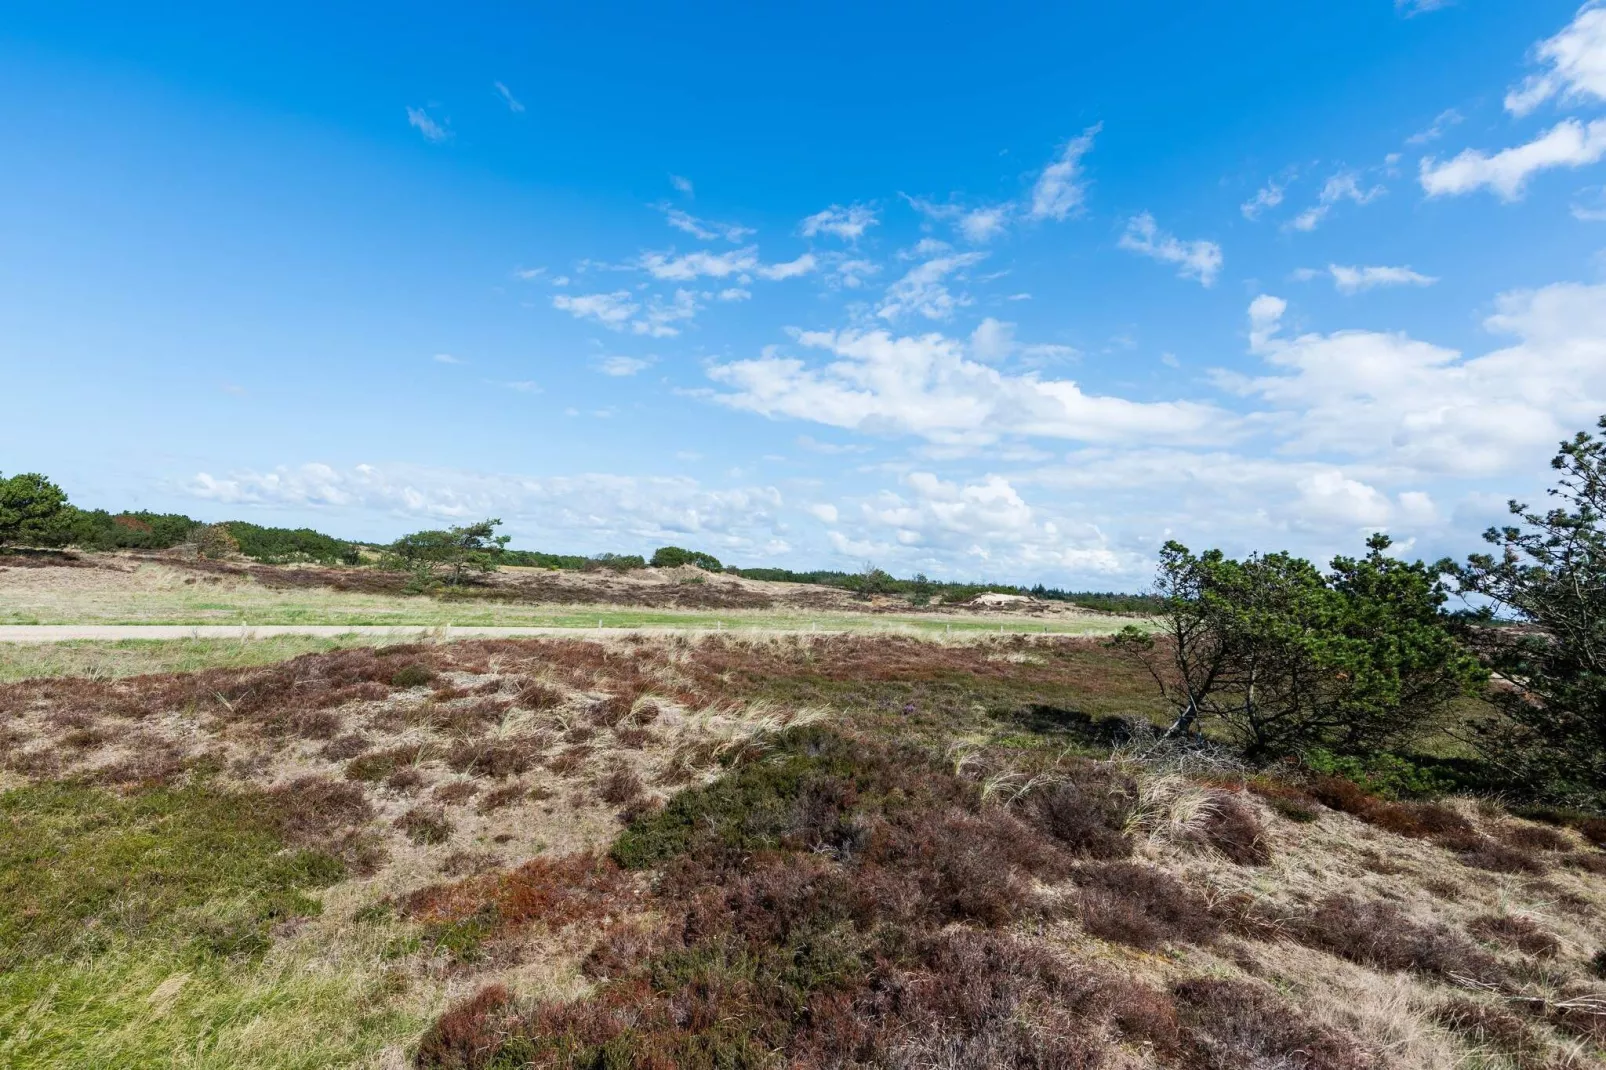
<point x="316" y="724"/>
<point x="455" y="791"/>
<point x="610" y="711"/>
<point x="342" y="747"/>
<point x="1587" y="862"/>
<point x="1488" y="1025"/>
<point x="1378" y="934"/>
<point x="425" y="825"/>
<point x="534" y="695"/>
<point x="1285" y="799"/>
<point x="645" y="713"/>
<point x="1143" y="906"/>
<point x="1526" y="837"/>
<point x="495" y="758"/>
<point x="1597" y="963"/>
<point x="467" y="720"/>
<point x="1516" y="932"/>
<point x="148" y="766"/>
<point x="406" y="778"/>
<point x="1485" y="853"/>
<point x="620" y="785"/>
<point x="500" y="797"/>
<point x="376" y="765"/>
<point x="1231" y="1025"/>
<point x="569" y="760"/>
<point x="633" y="737"/>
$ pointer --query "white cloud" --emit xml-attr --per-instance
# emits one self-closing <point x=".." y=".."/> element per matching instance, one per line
<point x="1194" y="259"/>
<point x="420" y="120"/>
<point x="926" y="386"/>
<point x="1567" y="144"/>
<point x="529" y="274"/>
<point x="1412" y="8"/>
<point x="977" y="225"/>
<point x="521" y="386"/>
<point x="1268" y="196"/>
<point x="1442" y="122"/>
<point x="622" y="367"/>
<point x="611" y="310"/>
<point x="682" y="184"/>
<point x="1344" y="186"/>
<point x="789" y="270"/>
<point x="582" y="510"/>
<point x="508" y="98"/>
<point x="734" y="293"/>
<point x="824" y="512"/>
<point x="1349" y="280"/>
<point x="994" y="340"/>
<point x="923" y="289"/>
<point x="1595" y="212"/>
<point x="660" y="315"/>
<point x="1062" y="187"/>
<point x="704" y="229"/>
<point x="848" y="223"/>
<point x="446" y="358"/>
<point x="702" y="262"/>
<point x="1388" y="397"/>
<point x="1576" y="62"/>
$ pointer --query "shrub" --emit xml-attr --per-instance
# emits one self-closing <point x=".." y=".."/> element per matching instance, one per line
<point x="675" y="557"/>
<point x="1231" y="827"/>
<point x="1489" y="1026"/>
<point x="1379" y="935"/>
<point x="31" y="511"/>
<point x="1140" y="905"/>
<point x="1234" y="1024"/>
<point x="1516" y="932"/>
<point x="619" y="786"/>
<point x="1088" y="815"/>
<point x="425" y="825"/>
<point x="211" y="541"/>
<point x="409" y="676"/>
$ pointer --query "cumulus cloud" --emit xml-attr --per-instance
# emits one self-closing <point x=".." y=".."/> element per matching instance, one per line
<point x="589" y="509"/>
<point x="425" y="124"/>
<point x="848" y="223"/>
<point x="702" y="262"/>
<point x="1574" y="62"/>
<point x="976" y="225"/>
<point x="924" y="289"/>
<point x="994" y="340"/>
<point x="1351" y="280"/>
<point x="620" y="311"/>
<point x="928" y="387"/>
<point x="1388" y="397"/>
<point x="1194" y="259"/>
<point x="1567" y="144"/>
<point x="791" y="269"/>
<point x="1062" y="187"/>
<point x="1344" y="186"/>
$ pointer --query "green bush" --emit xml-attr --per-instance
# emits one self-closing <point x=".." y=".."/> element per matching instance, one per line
<point x="675" y="557"/>
<point x="1388" y="775"/>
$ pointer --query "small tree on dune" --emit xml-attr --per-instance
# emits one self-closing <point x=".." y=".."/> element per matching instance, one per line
<point x="31" y="509"/>
<point x="448" y="555"/>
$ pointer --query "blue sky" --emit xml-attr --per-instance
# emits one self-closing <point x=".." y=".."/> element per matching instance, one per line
<point x="984" y="291"/>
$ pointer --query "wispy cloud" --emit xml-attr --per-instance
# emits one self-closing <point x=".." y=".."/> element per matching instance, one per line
<point x="688" y="266"/>
<point x="1443" y="121"/>
<point x="682" y="184"/>
<point x="791" y="269"/>
<point x="924" y="289"/>
<point x="1268" y="196"/>
<point x="848" y="223"/>
<point x="421" y="120"/>
<point x="1412" y="8"/>
<point x="1344" y="186"/>
<point x="508" y="98"/>
<point x="1351" y="280"/>
<point x="446" y="358"/>
<point x="704" y="229"/>
<point x="1062" y="187"/>
<point x="622" y="367"/>
<point x="1199" y="260"/>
